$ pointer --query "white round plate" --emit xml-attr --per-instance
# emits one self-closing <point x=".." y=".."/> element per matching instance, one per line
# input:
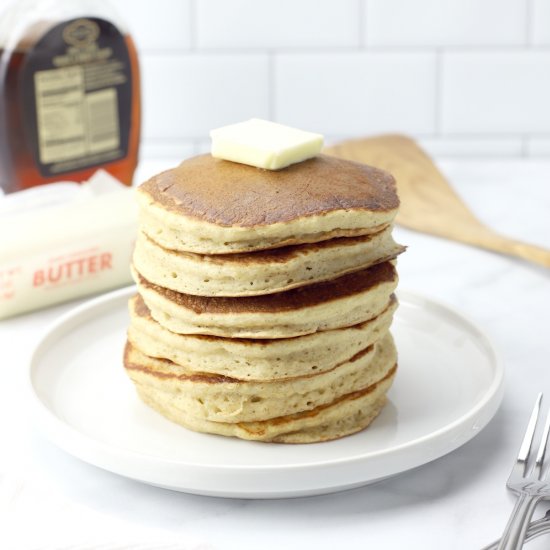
<point x="448" y="386"/>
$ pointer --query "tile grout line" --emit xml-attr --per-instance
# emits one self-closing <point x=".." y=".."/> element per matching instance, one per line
<point x="193" y="18"/>
<point x="271" y="78"/>
<point x="529" y="11"/>
<point x="525" y="146"/>
<point x="197" y="146"/>
<point x="344" y="50"/>
<point x="459" y="137"/>
<point x="362" y="21"/>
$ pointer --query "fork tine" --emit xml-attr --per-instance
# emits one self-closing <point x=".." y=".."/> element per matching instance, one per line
<point x="527" y="442"/>
<point x="522" y="481"/>
<point x="542" y="448"/>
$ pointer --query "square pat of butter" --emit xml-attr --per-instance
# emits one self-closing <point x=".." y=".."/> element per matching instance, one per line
<point x="264" y="144"/>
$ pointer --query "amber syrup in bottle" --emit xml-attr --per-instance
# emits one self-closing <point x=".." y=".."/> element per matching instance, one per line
<point x="69" y="94"/>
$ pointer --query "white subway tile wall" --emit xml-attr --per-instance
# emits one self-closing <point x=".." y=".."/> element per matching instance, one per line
<point x="159" y="25"/>
<point x="540" y="22"/>
<point x="186" y="95"/>
<point x="539" y="147"/>
<point x="496" y="92"/>
<point x="467" y="78"/>
<point x="273" y="24"/>
<point x="349" y="93"/>
<point x="432" y="23"/>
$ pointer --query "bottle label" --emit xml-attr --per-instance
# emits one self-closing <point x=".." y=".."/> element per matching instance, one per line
<point x="77" y="96"/>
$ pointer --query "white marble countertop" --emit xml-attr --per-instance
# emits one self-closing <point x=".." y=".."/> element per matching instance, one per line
<point x="49" y="499"/>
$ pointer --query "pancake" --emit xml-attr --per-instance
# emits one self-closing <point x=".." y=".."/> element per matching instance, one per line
<point x="348" y="415"/>
<point x="342" y="302"/>
<point x="223" y="399"/>
<point x="212" y="206"/>
<point x="247" y="359"/>
<point x="263" y="272"/>
<point x="342" y="416"/>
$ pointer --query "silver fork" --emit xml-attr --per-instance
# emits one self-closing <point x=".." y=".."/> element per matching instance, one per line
<point x="529" y="481"/>
<point x="536" y="529"/>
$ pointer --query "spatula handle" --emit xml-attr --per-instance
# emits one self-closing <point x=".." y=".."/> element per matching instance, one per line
<point x="511" y="247"/>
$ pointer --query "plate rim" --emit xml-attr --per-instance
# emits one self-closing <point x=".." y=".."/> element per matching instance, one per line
<point x="54" y="427"/>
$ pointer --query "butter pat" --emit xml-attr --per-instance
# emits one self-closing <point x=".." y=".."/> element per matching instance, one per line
<point x="264" y="144"/>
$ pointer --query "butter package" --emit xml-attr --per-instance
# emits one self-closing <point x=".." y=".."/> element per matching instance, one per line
<point x="64" y="240"/>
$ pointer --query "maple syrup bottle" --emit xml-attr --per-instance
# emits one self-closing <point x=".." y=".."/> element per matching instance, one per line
<point x="69" y="93"/>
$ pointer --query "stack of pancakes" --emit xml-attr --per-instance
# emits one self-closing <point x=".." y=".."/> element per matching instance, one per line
<point x="265" y="298"/>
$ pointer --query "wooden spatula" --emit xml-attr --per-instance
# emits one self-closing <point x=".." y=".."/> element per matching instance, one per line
<point x="428" y="203"/>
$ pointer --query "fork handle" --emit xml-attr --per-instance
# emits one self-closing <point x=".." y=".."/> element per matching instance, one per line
<point x="516" y="528"/>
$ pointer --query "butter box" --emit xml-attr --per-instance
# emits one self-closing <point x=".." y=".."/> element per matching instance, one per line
<point x="65" y="240"/>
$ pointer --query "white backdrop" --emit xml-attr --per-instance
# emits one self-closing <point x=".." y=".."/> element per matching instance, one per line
<point x="466" y="77"/>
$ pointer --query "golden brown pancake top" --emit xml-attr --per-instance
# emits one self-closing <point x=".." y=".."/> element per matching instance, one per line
<point x="231" y="194"/>
<point x="294" y="299"/>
